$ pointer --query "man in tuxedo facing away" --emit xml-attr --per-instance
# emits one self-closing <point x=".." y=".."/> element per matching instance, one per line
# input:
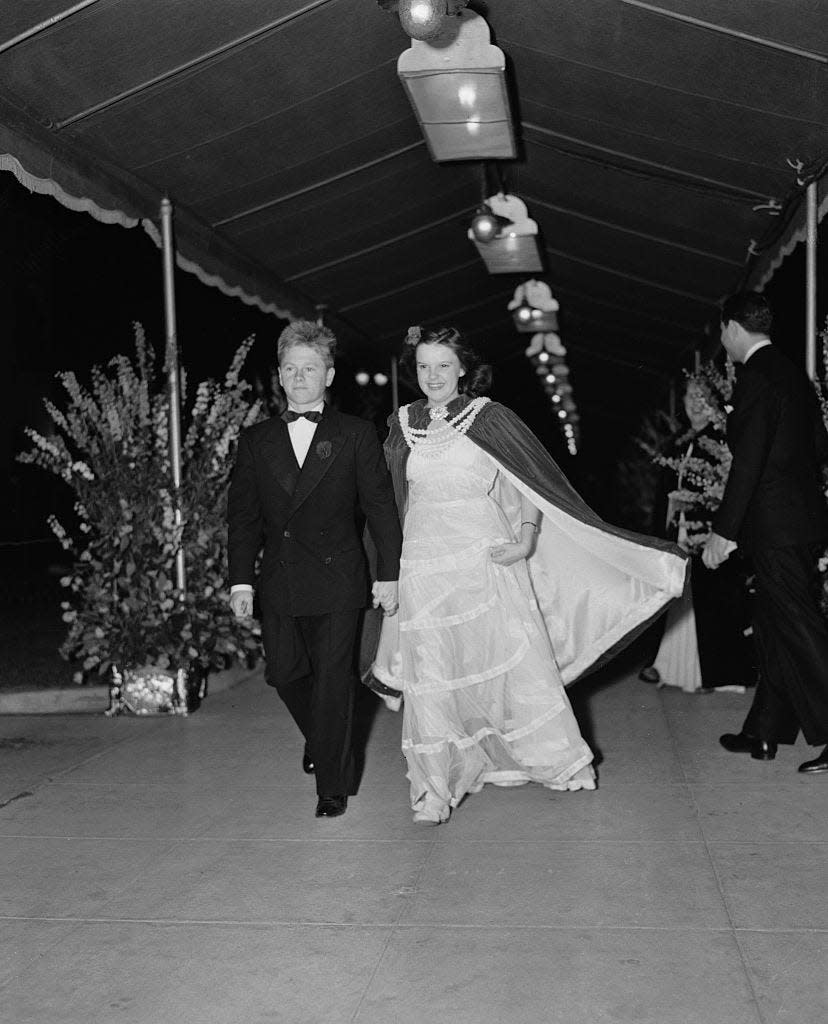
<point x="774" y="508"/>
<point x="302" y="487"/>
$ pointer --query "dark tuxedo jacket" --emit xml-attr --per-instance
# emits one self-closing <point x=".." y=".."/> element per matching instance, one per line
<point x="309" y="522"/>
<point x="773" y="496"/>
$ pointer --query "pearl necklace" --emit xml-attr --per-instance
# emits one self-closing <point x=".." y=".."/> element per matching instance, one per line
<point x="432" y="443"/>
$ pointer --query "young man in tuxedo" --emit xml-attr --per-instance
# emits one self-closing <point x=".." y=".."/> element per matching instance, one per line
<point x="774" y="508"/>
<point x="302" y="486"/>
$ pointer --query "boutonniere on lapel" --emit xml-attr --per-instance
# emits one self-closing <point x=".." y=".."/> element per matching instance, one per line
<point x="324" y="449"/>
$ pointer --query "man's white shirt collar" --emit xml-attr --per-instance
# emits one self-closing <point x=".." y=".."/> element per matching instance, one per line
<point x="755" y="348"/>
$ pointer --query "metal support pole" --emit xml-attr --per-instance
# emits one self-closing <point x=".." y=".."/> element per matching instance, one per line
<point x="395" y="386"/>
<point x="173" y="381"/>
<point x="811" y="279"/>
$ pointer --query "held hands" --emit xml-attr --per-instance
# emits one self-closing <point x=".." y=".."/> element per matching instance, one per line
<point x="386" y="594"/>
<point x="716" y="550"/>
<point x="509" y="553"/>
<point x="241" y="603"/>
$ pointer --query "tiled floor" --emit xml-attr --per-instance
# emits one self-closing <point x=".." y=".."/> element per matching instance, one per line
<point x="156" y="870"/>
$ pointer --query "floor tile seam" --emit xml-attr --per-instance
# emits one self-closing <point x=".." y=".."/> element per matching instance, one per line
<point x="392" y="926"/>
<point x="743" y="957"/>
<point x="381" y="840"/>
<point x="392" y="931"/>
<point x="749" y="981"/>
<point x="674" y="744"/>
<point x="414" y="888"/>
<point x="362" y="840"/>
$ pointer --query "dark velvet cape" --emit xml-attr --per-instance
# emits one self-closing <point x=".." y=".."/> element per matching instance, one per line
<point x="597" y="585"/>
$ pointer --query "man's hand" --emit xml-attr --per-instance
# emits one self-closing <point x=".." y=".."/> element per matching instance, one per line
<point x="716" y="550"/>
<point x="386" y="594"/>
<point x="241" y="603"/>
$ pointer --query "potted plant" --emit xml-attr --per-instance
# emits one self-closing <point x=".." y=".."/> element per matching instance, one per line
<point x="127" y="619"/>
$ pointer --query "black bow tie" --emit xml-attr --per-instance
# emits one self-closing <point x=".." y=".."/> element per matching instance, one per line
<point x="289" y="416"/>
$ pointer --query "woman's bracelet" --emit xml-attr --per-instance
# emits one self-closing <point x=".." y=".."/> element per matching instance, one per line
<point x="527" y="522"/>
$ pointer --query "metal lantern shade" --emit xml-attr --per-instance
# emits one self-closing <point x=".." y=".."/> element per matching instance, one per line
<point x="529" y="320"/>
<point x="515" y="249"/>
<point x="456" y="83"/>
<point x="512" y="254"/>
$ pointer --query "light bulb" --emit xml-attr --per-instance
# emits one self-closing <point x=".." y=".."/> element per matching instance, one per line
<point x="422" y="19"/>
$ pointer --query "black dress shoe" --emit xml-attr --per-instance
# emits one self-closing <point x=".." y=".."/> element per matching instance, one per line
<point x="819" y="764"/>
<point x="331" y="806"/>
<point x="740" y="743"/>
<point x="308" y="767"/>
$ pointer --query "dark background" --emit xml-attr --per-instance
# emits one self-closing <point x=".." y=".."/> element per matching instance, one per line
<point x="72" y="288"/>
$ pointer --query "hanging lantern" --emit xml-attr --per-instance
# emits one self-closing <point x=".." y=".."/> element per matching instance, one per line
<point x="514" y="249"/>
<point x="422" y="19"/>
<point x="456" y="82"/>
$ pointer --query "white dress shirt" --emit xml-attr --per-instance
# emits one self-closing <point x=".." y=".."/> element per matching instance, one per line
<point x="301" y="433"/>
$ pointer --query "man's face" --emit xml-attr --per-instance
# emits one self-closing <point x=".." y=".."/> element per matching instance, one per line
<point x="304" y="376"/>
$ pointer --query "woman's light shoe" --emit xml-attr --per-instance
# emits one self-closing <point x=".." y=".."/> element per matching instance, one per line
<point x="431" y="813"/>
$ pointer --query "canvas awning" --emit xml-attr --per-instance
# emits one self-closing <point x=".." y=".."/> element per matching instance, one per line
<point x="656" y="149"/>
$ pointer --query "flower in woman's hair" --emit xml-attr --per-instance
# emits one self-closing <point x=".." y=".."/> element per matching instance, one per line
<point x="413" y="336"/>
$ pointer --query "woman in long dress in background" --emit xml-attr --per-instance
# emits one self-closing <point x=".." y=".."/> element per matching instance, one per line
<point x="510" y="586"/>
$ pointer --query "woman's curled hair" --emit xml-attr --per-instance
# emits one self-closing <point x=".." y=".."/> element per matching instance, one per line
<point x="477" y="379"/>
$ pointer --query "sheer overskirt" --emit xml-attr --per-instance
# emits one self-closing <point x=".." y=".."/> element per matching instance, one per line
<point x="483" y="696"/>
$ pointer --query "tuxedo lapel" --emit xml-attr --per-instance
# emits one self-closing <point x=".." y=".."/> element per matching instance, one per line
<point x="325" y="447"/>
<point x="278" y="454"/>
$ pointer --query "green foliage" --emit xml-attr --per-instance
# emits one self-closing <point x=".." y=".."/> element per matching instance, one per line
<point x="111" y="447"/>
<point x="697" y="475"/>
<point x="637" y="475"/>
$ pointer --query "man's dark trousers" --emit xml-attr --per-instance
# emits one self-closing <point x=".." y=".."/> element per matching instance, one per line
<point x="314" y="581"/>
<point x="792" y="647"/>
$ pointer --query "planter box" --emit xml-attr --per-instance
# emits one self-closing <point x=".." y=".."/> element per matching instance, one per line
<point x="155" y="691"/>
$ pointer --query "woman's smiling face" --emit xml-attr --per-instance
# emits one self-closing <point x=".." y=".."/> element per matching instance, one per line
<point x="438" y="373"/>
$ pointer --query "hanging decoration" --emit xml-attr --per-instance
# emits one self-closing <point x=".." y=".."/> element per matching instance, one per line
<point x="423" y="19"/>
<point x="535" y="309"/>
<point x="513" y="248"/>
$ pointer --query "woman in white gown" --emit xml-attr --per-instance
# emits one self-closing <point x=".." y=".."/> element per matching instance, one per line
<point x="473" y="646"/>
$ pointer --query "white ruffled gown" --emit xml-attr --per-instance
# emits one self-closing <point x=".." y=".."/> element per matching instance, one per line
<point x="483" y="696"/>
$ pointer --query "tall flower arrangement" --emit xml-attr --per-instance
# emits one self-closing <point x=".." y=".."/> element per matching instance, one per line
<point x="110" y="445"/>
<point x="701" y="471"/>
